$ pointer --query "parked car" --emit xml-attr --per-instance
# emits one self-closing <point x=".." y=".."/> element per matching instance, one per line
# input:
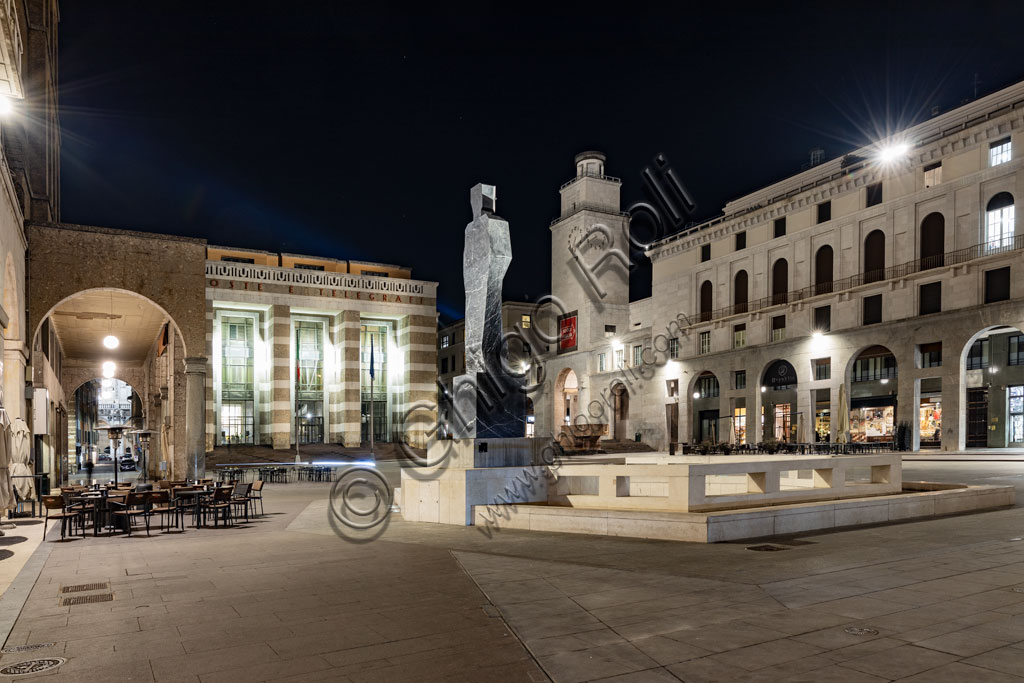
<point x="105" y="455"/>
<point x="127" y="464"/>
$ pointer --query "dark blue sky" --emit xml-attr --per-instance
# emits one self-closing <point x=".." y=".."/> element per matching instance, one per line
<point x="321" y="128"/>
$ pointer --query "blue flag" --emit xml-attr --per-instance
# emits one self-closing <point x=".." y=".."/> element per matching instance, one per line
<point x="372" y="373"/>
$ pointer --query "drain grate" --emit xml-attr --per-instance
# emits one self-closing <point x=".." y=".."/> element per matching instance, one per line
<point x="31" y="666"/>
<point x="78" y="588"/>
<point x="766" y="548"/>
<point x="14" y="649"/>
<point x="861" y="631"/>
<point x="86" y="599"/>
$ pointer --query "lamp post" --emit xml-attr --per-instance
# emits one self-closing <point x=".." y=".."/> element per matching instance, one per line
<point x="114" y="433"/>
<point x="144" y="437"/>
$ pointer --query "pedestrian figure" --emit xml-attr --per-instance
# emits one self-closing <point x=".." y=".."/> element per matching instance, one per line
<point x="88" y="469"/>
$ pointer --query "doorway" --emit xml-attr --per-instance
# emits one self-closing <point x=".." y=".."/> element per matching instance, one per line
<point x="709" y="426"/>
<point x="977" y="418"/>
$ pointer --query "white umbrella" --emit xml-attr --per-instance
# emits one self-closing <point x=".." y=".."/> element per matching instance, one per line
<point x="6" y="490"/>
<point x="843" y="420"/>
<point x="21" y="459"/>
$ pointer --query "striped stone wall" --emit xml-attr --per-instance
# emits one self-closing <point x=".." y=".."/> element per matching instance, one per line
<point x="211" y="418"/>
<point x="418" y="339"/>
<point x="281" y="406"/>
<point x="347" y="412"/>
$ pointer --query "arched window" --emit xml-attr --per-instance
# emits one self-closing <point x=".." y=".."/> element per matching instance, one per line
<point x="823" y="275"/>
<point x="740" y="292"/>
<point x="999" y="221"/>
<point x="933" y="240"/>
<point x="706" y="300"/>
<point x="780" y="281"/>
<point x="874" y="256"/>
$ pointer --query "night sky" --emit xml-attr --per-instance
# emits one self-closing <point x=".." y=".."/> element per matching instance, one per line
<point x="328" y="129"/>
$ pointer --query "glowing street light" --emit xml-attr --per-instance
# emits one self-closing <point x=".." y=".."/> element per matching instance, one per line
<point x="111" y="342"/>
<point x="5" y="106"/>
<point x="109" y="368"/>
<point x="893" y="152"/>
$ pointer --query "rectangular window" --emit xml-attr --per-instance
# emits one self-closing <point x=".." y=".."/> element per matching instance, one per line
<point x="705" y="253"/>
<point x="237" y="259"/>
<point x="778" y="328"/>
<point x="446" y="339"/>
<point x="824" y="212"/>
<point x="308" y="266"/>
<point x="638" y="355"/>
<point x="874" y="195"/>
<point x="707" y="387"/>
<point x="524" y="322"/>
<point x="978" y="356"/>
<point x="997" y="285"/>
<point x="739" y="336"/>
<point x="933" y="174"/>
<point x="999" y="152"/>
<point x="601" y="362"/>
<point x="930" y="299"/>
<point x="704" y="343"/>
<point x="455" y="363"/>
<point x="741" y="240"/>
<point x="873" y="368"/>
<point x="931" y="355"/>
<point x="673" y="347"/>
<point x="739" y="379"/>
<point x="872" y="309"/>
<point x="823" y="319"/>
<point x="1016" y="350"/>
<point x="1016" y="396"/>
<point x="780" y="227"/>
<point x="619" y="360"/>
<point x="999" y="227"/>
<point x="444" y="366"/>
<point x="822" y="368"/>
<point x="609" y="330"/>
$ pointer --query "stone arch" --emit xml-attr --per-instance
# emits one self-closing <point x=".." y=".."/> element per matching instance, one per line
<point x="740" y="292"/>
<point x="777" y="384"/>
<point x="703" y="397"/>
<point x="873" y="396"/>
<point x="566" y="398"/>
<point x="874" y="256"/>
<point x="780" y="280"/>
<point x="620" y="409"/>
<point x="991" y="378"/>
<point x="932" y="241"/>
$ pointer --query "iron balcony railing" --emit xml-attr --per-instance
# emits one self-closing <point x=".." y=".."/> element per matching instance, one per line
<point x="950" y="258"/>
<point x="599" y="176"/>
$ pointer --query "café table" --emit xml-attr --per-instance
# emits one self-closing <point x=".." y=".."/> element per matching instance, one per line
<point x="197" y="497"/>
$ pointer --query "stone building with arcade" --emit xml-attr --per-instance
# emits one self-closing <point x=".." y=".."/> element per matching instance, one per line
<point x="892" y="274"/>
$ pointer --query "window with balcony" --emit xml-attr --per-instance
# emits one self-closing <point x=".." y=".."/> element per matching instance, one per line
<point x="999" y="152"/>
<point x="933" y="174"/>
<point x="704" y="343"/>
<point x="873" y="195"/>
<point x="741" y="240"/>
<point x="739" y="379"/>
<point x="825" y="212"/>
<point x="931" y="355"/>
<point x="997" y="285"/>
<point x="707" y="301"/>
<point x="673" y="347"/>
<point x="872" y="309"/>
<point x="778" y="328"/>
<point x="978" y="356"/>
<point x="930" y="298"/>
<point x="779" y="227"/>
<point x="822" y="368"/>
<point x="999" y="221"/>
<point x="739" y="336"/>
<point x="1016" y="350"/>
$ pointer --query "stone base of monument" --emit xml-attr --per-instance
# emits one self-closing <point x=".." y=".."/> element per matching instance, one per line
<point x="918" y="501"/>
<point x="463" y="473"/>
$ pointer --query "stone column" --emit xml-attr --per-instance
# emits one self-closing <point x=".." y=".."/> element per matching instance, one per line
<point x="283" y="412"/>
<point x="195" y="416"/>
<point x="954" y="406"/>
<point x="804" y="415"/>
<point x="351" y="404"/>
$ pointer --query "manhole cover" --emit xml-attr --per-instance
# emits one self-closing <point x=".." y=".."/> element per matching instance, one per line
<point x="766" y="548"/>
<point x="859" y="631"/>
<point x="85" y="587"/>
<point x="31" y="666"/>
<point x="85" y="599"/>
<point x="25" y="648"/>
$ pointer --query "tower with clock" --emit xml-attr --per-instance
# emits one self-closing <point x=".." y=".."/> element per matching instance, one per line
<point x="589" y="257"/>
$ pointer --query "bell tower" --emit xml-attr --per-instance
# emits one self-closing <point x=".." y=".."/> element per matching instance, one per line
<point x="590" y="252"/>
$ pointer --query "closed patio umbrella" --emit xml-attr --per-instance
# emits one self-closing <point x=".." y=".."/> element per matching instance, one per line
<point x="6" y="488"/>
<point x="21" y="459"/>
<point x="843" y="420"/>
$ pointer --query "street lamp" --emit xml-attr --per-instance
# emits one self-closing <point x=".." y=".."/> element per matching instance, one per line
<point x="144" y="437"/>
